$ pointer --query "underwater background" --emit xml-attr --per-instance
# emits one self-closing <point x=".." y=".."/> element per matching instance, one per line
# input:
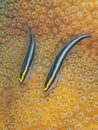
<point x="73" y="102"/>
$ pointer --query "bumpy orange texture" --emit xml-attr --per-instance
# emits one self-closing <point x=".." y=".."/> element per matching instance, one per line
<point x="73" y="103"/>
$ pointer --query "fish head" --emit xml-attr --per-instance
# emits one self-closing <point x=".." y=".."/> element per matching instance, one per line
<point x="23" y="76"/>
<point x="48" y="84"/>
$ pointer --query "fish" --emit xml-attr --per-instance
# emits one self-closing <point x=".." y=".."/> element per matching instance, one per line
<point x="56" y="66"/>
<point x="27" y="63"/>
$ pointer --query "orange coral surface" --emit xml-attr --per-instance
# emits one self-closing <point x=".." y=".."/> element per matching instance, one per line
<point x="73" y="103"/>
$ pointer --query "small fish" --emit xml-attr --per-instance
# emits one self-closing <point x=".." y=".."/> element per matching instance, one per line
<point x="28" y="60"/>
<point x="50" y="80"/>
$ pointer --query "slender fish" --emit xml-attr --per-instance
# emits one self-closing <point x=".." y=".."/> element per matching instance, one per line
<point x="49" y="83"/>
<point x="27" y="60"/>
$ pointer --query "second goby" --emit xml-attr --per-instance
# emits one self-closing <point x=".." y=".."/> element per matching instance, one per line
<point x="28" y="60"/>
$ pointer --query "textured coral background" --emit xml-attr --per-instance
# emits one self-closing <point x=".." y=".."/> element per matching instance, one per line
<point x="73" y="103"/>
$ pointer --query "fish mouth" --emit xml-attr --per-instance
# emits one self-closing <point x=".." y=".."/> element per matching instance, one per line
<point x="20" y="80"/>
<point x="22" y="76"/>
<point x="45" y="89"/>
